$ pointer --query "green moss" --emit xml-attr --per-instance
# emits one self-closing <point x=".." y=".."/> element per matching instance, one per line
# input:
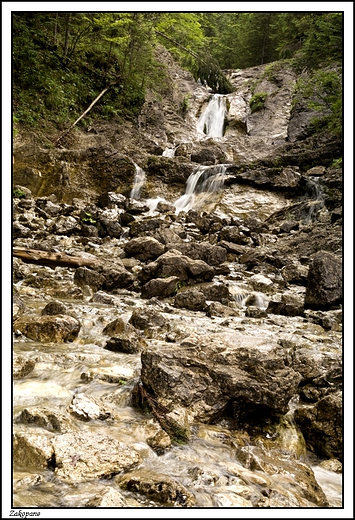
<point x="257" y="102"/>
<point x="18" y="193"/>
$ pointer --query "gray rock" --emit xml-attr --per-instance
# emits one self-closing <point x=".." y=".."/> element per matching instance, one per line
<point x="53" y="308"/>
<point x="209" y="372"/>
<point x="44" y="418"/>
<point x="87" y="408"/>
<point x="160" y="287"/>
<point x="324" y="282"/>
<point x="84" y="276"/>
<point x="126" y="343"/>
<point x="145" y="317"/>
<point x="57" y="329"/>
<point x="173" y="263"/>
<point x="211" y="254"/>
<point x="66" y="225"/>
<point x="144" y="248"/>
<point x="190" y="299"/>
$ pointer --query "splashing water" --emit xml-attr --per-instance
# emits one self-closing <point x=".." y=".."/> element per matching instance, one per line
<point x="205" y="180"/>
<point x="211" y="121"/>
<point x="169" y="152"/>
<point x="139" y="180"/>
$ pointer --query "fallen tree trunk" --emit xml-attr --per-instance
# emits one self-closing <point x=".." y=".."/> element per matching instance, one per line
<point x="34" y="256"/>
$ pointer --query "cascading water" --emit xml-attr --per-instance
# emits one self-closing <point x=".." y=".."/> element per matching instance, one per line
<point x="169" y="152"/>
<point x="316" y="191"/>
<point x="211" y="121"/>
<point x="205" y="181"/>
<point x="139" y="180"/>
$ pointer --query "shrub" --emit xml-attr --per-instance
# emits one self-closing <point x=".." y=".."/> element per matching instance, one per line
<point x="257" y="102"/>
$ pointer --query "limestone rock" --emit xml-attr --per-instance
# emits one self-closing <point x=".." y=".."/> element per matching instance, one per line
<point x="157" y="486"/>
<point x="126" y="343"/>
<point x="207" y="373"/>
<point x="44" y="418"/>
<point x="160" y="287"/>
<point x="58" y="328"/>
<point x="144" y="248"/>
<point x="324" y="282"/>
<point x="190" y="299"/>
<point x="144" y="318"/>
<point x="22" y="366"/>
<point x="107" y="498"/>
<point x="87" y="408"/>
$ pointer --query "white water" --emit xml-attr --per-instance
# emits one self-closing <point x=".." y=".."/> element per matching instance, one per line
<point x="205" y="180"/>
<point x="139" y="180"/>
<point x="169" y="152"/>
<point x="211" y="121"/>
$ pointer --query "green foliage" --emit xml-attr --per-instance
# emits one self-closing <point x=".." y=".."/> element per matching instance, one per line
<point x="257" y="102"/>
<point x="89" y="219"/>
<point x="18" y="193"/>
<point x="337" y="163"/>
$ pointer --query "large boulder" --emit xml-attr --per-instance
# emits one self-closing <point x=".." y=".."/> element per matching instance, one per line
<point x="160" y="287"/>
<point x="191" y="299"/>
<point x="144" y="248"/>
<point x="211" y="254"/>
<point x="213" y="374"/>
<point x="324" y="281"/>
<point x="173" y="263"/>
<point x="58" y="328"/>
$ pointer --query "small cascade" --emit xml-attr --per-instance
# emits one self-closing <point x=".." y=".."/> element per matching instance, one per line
<point x="211" y="121"/>
<point x="204" y="181"/>
<point x="139" y="180"/>
<point x="153" y="203"/>
<point x="169" y="152"/>
<point x="316" y="191"/>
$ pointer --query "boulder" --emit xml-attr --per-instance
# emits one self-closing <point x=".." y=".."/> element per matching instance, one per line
<point x="211" y="254"/>
<point x="144" y="318"/>
<point x="115" y="276"/>
<point x="44" y="418"/>
<point x="108" y="498"/>
<point x="217" y="292"/>
<point x="18" y="306"/>
<point x="66" y="225"/>
<point x="59" y="328"/>
<point x="322" y="426"/>
<point x="233" y="234"/>
<point x="147" y="226"/>
<point x="324" y="281"/>
<point x="144" y="248"/>
<point x="53" y="308"/>
<point x="126" y="343"/>
<point x="173" y="263"/>
<point x="157" y="486"/>
<point x="84" y="276"/>
<point x="214" y="374"/>
<point x="111" y="200"/>
<point x="190" y="299"/>
<point x="160" y="287"/>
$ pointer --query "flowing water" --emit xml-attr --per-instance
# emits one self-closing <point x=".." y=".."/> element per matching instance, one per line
<point x="211" y="122"/>
<point x="139" y="180"/>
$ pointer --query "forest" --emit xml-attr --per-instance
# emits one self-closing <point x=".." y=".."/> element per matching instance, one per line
<point x="63" y="60"/>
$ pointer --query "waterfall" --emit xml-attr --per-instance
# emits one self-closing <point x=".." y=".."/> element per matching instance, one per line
<point x="316" y="190"/>
<point x="211" y="121"/>
<point x="139" y="180"/>
<point x="205" y="181"/>
<point x="169" y="152"/>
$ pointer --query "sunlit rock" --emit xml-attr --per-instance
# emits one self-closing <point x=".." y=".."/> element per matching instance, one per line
<point x="58" y="328"/>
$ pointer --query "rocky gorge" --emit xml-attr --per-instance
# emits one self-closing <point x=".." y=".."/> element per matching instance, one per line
<point x="177" y="306"/>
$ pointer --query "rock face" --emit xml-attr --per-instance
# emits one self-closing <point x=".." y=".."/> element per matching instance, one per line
<point x="324" y="282"/>
<point x="215" y="374"/>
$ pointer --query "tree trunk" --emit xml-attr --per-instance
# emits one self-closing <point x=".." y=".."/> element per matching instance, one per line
<point x="34" y="256"/>
<point x="67" y="34"/>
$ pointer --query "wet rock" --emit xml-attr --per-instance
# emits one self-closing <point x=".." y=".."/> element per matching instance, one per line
<point x="255" y="312"/>
<point x="87" y="455"/>
<point x="160" y="287"/>
<point x="173" y="263"/>
<point x="147" y="226"/>
<point x="221" y="373"/>
<point x="260" y="460"/>
<point x="107" y="498"/>
<point x="233" y="234"/>
<point x="217" y="292"/>
<point x="321" y="426"/>
<point x="261" y="283"/>
<point x="324" y="282"/>
<point x="84" y="276"/>
<point x="126" y="343"/>
<point x="87" y="408"/>
<point x="32" y="449"/>
<point x="157" y="486"/>
<point x="332" y="465"/>
<point x="53" y="308"/>
<point x="190" y="299"/>
<point x="286" y="305"/>
<point x="230" y="247"/>
<point x="115" y="277"/>
<point x="18" y="307"/>
<point x="57" y="329"/>
<point x="218" y="309"/>
<point x="44" y="418"/>
<point x="20" y="231"/>
<point x="111" y="200"/>
<point x="102" y="297"/>
<point x="295" y="272"/>
<point x="160" y="441"/>
<point x="22" y="366"/>
<point x="109" y="223"/>
<point x="144" y="318"/>
<point x="144" y="248"/>
<point x="115" y="327"/>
